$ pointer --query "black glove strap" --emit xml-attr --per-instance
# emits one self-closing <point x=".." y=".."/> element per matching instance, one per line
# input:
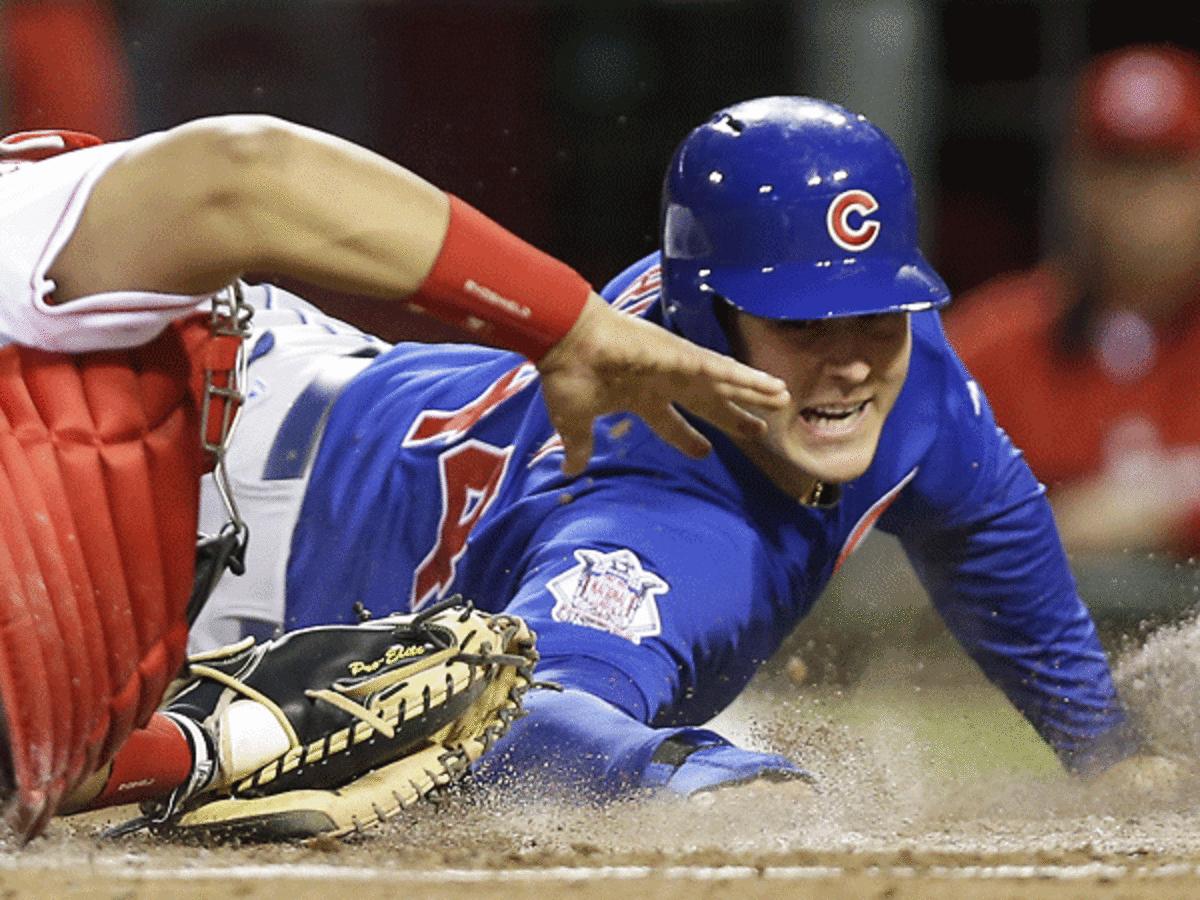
<point x="674" y="752"/>
<point x="215" y="554"/>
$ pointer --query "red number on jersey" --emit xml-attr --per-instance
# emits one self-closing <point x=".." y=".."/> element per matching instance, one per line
<point x="450" y="425"/>
<point x="470" y="476"/>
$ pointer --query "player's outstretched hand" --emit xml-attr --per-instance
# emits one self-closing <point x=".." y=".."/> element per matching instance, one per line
<point x="755" y="793"/>
<point x="1143" y="777"/>
<point x="610" y="362"/>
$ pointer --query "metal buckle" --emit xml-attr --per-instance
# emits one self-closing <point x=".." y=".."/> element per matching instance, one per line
<point x="231" y="316"/>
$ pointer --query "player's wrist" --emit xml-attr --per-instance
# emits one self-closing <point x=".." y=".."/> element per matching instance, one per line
<point x="720" y="765"/>
<point x="694" y="760"/>
<point x="496" y="285"/>
<point x="1104" y="751"/>
<point x="579" y="346"/>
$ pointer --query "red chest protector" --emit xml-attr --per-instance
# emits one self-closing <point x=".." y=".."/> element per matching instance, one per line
<point x="100" y="458"/>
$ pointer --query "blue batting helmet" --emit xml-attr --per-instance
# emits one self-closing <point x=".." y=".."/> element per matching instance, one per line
<point x="790" y="208"/>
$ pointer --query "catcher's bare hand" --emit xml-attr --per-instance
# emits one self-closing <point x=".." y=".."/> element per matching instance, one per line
<point x="610" y="362"/>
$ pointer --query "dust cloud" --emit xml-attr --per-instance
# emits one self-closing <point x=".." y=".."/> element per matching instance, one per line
<point x="878" y="790"/>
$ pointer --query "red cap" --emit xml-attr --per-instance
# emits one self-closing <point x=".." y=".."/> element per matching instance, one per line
<point x="1141" y="99"/>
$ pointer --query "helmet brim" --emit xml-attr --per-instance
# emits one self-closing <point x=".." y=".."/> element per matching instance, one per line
<point x="828" y="289"/>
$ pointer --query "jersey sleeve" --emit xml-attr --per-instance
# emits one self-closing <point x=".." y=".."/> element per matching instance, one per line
<point x="40" y="205"/>
<point x="981" y="537"/>
<point x="637" y="288"/>
<point x="653" y="600"/>
<point x="652" y="606"/>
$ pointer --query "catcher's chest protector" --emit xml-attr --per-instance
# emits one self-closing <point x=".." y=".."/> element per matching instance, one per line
<point x="100" y="460"/>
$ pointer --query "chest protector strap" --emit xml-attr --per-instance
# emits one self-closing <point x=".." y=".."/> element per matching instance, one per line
<point x="100" y="458"/>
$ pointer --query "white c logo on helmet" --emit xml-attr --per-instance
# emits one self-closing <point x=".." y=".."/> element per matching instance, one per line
<point x="837" y="220"/>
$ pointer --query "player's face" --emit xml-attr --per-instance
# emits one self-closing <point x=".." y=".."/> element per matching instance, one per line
<point x="1138" y="221"/>
<point x="844" y="376"/>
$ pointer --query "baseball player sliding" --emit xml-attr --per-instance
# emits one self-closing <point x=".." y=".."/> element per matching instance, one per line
<point x="388" y="478"/>
<point x="378" y="478"/>
<point x="107" y="369"/>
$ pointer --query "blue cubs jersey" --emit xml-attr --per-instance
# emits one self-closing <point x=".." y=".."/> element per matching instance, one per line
<point x="658" y="582"/>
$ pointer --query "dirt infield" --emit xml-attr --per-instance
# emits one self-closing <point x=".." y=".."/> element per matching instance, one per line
<point x="928" y="786"/>
<point x="759" y="849"/>
<point x="934" y="882"/>
<point x="997" y="840"/>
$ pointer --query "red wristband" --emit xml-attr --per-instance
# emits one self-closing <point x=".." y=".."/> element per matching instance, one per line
<point x="152" y="763"/>
<point x="491" y="282"/>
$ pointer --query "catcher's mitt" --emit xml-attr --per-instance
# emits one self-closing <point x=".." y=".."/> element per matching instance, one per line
<point x="330" y="729"/>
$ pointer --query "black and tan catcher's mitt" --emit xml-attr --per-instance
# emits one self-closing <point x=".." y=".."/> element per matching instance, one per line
<point x="329" y="730"/>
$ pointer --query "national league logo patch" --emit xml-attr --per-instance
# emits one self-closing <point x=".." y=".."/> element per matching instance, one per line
<point x="610" y="592"/>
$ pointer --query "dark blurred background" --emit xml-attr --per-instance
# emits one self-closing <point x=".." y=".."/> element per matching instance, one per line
<point x="558" y="118"/>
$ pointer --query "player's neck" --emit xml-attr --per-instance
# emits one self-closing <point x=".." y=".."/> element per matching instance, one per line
<point x="790" y="478"/>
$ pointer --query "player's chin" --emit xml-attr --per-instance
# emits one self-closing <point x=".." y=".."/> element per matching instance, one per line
<point x="840" y="463"/>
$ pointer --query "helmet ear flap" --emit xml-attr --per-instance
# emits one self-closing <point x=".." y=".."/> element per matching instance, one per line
<point x="726" y="315"/>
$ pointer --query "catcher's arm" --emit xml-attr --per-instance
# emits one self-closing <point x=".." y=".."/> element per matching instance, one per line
<point x="222" y="196"/>
<point x="331" y="729"/>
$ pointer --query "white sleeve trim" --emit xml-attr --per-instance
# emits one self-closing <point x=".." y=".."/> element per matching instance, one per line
<point x="43" y="206"/>
<point x="131" y="301"/>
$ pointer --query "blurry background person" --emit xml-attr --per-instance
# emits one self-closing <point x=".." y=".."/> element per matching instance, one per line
<point x="63" y="65"/>
<point x="1091" y="357"/>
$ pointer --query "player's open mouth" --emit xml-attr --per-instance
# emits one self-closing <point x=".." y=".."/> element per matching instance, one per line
<point x="834" y="420"/>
